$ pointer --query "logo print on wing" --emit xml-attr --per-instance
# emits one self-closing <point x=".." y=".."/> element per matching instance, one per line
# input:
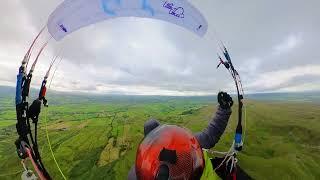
<point x="178" y="12"/>
<point x="175" y="11"/>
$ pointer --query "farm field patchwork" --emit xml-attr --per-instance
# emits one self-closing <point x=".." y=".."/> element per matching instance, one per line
<point x="98" y="140"/>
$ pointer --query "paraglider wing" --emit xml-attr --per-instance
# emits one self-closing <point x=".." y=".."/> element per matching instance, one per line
<point x="72" y="15"/>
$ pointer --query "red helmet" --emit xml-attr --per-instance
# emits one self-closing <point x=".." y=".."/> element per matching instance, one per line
<point x="169" y="152"/>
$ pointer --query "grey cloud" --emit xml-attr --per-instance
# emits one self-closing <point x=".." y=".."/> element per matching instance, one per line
<point x="295" y="81"/>
<point x="144" y="52"/>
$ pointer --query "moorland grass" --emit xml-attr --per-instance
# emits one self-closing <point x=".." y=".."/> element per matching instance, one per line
<point x="99" y="140"/>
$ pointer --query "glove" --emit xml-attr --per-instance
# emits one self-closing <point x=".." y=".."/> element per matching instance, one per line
<point x="225" y="100"/>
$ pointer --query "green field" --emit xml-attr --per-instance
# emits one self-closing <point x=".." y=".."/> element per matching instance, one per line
<point x="94" y="139"/>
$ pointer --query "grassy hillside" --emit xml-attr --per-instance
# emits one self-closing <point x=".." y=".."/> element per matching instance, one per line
<point x="93" y="139"/>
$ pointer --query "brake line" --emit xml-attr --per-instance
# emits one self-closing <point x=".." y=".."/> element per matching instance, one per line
<point x="50" y="146"/>
<point x="47" y="132"/>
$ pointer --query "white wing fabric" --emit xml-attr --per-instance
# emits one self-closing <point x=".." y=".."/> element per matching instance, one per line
<point x="72" y="15"/>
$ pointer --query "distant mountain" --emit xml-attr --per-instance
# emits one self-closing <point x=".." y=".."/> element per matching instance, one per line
<point x="313" y="97"/>
<point x="6" y="91"/>
<point x="56" y="97"/>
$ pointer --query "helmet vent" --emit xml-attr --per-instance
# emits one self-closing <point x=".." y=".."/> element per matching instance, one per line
<point x="167" y="155"/>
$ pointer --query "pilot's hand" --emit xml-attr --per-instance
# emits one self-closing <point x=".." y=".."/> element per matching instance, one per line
<point x="225" y="100"/>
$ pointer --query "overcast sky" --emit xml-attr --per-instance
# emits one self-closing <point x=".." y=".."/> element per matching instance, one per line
<point x="274" y="44"/>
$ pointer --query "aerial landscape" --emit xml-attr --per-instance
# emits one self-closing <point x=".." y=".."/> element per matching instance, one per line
<point x="96" y="137"/>
<point x="159" y="90"/>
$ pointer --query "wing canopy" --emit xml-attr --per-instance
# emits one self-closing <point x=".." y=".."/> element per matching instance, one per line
<point x="72" y="15"/>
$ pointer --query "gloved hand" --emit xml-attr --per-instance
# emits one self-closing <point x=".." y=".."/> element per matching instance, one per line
<point x="225" y="100"/>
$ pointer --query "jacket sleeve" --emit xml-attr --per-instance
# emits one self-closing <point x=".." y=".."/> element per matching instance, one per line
<point x="216" y="127"/>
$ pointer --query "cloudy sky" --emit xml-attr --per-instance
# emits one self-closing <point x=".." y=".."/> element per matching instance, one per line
<point x="274" y="44"/>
